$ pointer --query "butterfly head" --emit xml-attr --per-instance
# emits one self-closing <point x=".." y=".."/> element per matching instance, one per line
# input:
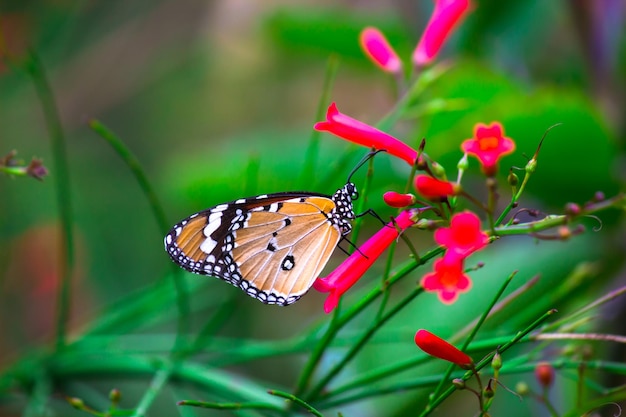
<point x="344" y="211"/>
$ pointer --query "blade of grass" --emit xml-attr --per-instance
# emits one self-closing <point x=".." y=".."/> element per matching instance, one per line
<point x="61" y="177"/>
<point x="182" y="299"/>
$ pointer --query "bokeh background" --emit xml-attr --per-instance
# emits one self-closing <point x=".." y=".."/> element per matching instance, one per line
<point x="217" y="100"/>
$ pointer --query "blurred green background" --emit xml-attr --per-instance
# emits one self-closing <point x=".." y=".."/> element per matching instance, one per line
<point x="217" y="100"/>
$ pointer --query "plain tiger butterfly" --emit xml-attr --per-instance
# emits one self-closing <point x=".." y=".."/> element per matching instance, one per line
<point x="271" y="246"/>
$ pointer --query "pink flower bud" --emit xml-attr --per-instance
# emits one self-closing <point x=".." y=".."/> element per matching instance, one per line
<point x="377" y="49"/>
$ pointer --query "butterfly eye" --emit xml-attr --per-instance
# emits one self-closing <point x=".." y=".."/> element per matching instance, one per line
<point x="354" y="195"/>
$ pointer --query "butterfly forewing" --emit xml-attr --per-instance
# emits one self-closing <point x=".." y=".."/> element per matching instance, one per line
<point x="272" y="246"/>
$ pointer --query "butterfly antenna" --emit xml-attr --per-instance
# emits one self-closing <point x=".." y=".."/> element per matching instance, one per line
<point x="362" y="162"/>
<point x="351" y="243"/>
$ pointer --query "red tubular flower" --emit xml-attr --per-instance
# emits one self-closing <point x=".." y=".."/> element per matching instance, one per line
<point x="397" y="200"/>
<point x="448" y="279"/>
<point x="439" y="348"/>
<point x="488" y="145"/>
<point x="353" y="268"/>
<point x="363" y="134"/>
<point x="377" y="49"/>
<point x="434" y="189"/>
<point x="463" y="237"/>
<point x="445" y="17"/>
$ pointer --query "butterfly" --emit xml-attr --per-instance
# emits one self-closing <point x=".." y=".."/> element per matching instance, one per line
<point x="272" y="246"/>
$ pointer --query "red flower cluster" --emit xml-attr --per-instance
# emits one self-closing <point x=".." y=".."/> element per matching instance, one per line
<point x="461" y="239"/>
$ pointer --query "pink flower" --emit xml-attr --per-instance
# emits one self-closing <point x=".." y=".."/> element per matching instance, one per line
<point x="448" y="279"/>
<point x="488" y="145"/>
<point x="353" y="268"/>
<point x="439" y="348"/>
<point x="445" y="17"/>
<point x="397" y="200"/>
<point x="434" y="189"/>
<point x="379" y="51"/>
<point x="463" y="237"/>
<point x="363" y="134"/>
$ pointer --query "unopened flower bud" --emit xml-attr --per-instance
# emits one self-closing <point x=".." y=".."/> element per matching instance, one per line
<point x="458" y="383"/>
<point x="572" y="209"/>
<point x="77" y="403"/>
<point x="421" y="164"/>
<point x="564" y="232"/>
<point x="397" y="200"/>
<point x="513" y="179"/>
<point x="522" y="388"/>
<point x="531" y="166"/>
<point x="115" y="395"/>
<point x="438" y="170"/>
<point x="463" y="164"/>
<point x="544" y="372"/>
<point x="598" y="196"/>
<point x="439" y="348"/>
<point x="496" y="362"/>
<point x="489" y="391"/>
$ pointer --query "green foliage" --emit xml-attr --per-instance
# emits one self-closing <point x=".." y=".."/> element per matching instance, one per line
<point x="95" y="318"/>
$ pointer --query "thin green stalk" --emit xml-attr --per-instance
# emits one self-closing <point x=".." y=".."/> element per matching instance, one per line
<point x="385" y="276"/>
<point x="62" y="187"/>
<point x="182" y="299"/>
<point x="474" y="331"/>
<point x="159" y="380"/>
<point x="40" y="393"/>
<point x="514" y="200"/>
<point x="312" y="152"/>
<point x="137" y="170"/>
<point x="318" y="351"/>
<point x="356" y="347"/>
<point x="296" y="400"/>
<point x="230" y="406"/>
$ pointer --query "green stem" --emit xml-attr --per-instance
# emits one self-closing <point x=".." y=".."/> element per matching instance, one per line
<point x="230" y="406"/>
<point x="358" y="345"/>
<point x="137" y="170"/>
<point x="182" y="299"/>
<point x="154" y="389"/>
<point x="62" y="185"/>
<point x="296" y="400"/>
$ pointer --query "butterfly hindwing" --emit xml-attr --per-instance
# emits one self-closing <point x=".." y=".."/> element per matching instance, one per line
<point x="271" y="246"/>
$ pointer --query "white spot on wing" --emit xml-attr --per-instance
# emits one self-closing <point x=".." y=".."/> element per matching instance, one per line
<point x="208" y="245"/>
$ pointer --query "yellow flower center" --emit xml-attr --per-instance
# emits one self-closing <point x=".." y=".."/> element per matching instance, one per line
<point x="487" y="144"/>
